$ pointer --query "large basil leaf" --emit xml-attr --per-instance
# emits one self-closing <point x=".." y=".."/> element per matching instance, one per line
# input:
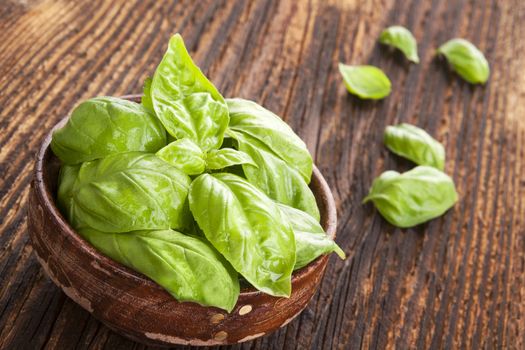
<point x="226" y="157"/>
<point x="106" y="125"/>
<point x="258" y="122"/>
<point x="185" y="101"/>
<point x="275" y="177"/>
<point x="414" y="197"/>
<point x="185" y="155"/>
<point x="310" y="239"/>
<point x="247" y="228"/>
<point x="186" y="266"/>
<point x="130" y="191"/>
<point x="415" y="144"/>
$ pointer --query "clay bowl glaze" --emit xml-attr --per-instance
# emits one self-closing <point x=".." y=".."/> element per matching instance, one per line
<point x="136" y="307"/>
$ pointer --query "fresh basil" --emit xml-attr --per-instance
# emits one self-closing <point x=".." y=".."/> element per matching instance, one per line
<point x="106" y="125"/>
<point x="415" y="144"/>
<point x="366" y="82"/>
<point x="275" y="177"/>
<point x="466" y="60"/>
<point x="402" y="39"/>
<point x="414" y="197"/>
<point x="247" y="228"/>
<point x="184" y="155"/>
<point x="130" y="191"/>
<point x="310" y="239"/>
<point x="226" y="157"/>
<point x="66" y="181"/>
<point x="186" y="266"/>
<point x="250" y="118"/>
<point x="186" y="102"/>
<point x="146" y="96"/>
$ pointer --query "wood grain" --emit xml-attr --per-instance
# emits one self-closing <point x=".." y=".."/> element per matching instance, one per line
<point x="456" y="282"/>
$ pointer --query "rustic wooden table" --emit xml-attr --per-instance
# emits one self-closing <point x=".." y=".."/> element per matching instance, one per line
<point x="457" y="281"/>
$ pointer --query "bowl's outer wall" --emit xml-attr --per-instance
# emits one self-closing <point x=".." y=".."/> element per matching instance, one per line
<point x="136" y="307"/>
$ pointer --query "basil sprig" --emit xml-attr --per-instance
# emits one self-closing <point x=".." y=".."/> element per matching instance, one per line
<point x="466" y="60"/>
<point x="402" y="39"/>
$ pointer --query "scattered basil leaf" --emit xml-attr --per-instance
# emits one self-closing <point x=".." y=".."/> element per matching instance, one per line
<point x="402" y="39"/>
<point x="258" y="122"/>
<point x="106" y="125"/>
<point x="310" y="239"/>
<point x="415" y="144"/>
<point x="226" y="157"/>
<point x="366" y="82"/>
<point x="188" y="267"/>
<point x="275" y="177"/>
<point x="186" y="102"/>
<point x="247" y="228"/>
<point x="466" y="60"/>
<point x="414" y="197"/>
<point x="130" y="191"/>
<point x="184" y="155"/>
<point x="146" y="96"/>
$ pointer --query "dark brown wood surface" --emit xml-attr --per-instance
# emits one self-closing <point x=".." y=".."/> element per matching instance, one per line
<point x="456" y="282"/>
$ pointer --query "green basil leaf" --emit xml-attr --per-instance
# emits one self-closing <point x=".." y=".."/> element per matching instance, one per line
<point x="310" y="239"/>
<point x="415" y="144"/>
<point x="130" y="191"/>
<point x="402" y="39"/>
<point x="184" y="155"/>
<point x="414" y="197"/>
<point x="186" y="102"/>
<point x="466" y="60"/>
<point x="366" y="82"/>
<point x="275" y="177"/>
<point x="66" y="181"/>
<point x="188" y="267"/>
<point x="247" y="228"/>
<point x="273" y="132"/>
<point x="146" y="96"/>
<point x="220" y="159"/>
<point x="107" y="125"/>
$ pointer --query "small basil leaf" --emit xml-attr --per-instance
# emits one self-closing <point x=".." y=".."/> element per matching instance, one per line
<point x="402" y="39"/>
<point x="106" y="125"/>
<point x="247" y="228"/>
<point x="130" y="191"/>
<point x="146" y="96"/>
<point x="466" y="60"/>
<point x="188" y="267"/>
<point x="414" y="197"/>
<point x="273" y="132"/>
<point x="310" y="239"/>
<point x="186" y="102"/>
<point x="275" y="177"/>
<point x="66" y="181"/>
<point x="220" y="159"/>
<point x="184" y="155"/>
<point x="366" y="82"/>
<point x="415" y="144"/>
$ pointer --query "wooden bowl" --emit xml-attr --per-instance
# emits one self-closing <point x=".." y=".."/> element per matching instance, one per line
<point x="136" y="307"/>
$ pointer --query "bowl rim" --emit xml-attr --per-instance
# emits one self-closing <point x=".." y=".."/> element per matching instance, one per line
<point x="49" y="202"/>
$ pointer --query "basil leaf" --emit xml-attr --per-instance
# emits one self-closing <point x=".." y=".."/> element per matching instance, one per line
<point x="414" y="197"/>
<point x="366" y="82"/>
<point x="130" y="191"/>
<point x="184" y="155"/>
<point x="186" y="102"/>
<point x="247" y="228"/>
<point x="146" y="96"/>
<point x="466" y="60"/>
<point x="415" y="144"/>
<point x="66" y="181"/>
<point x="273" y="132"/>
<point x="402" y="39"/>
<point x="275" y="177"/>
<point x="106" y="125"/>
<point x="220" y="159"/>
<point x="186" y="266"/>
<point x="310" y="239"/>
